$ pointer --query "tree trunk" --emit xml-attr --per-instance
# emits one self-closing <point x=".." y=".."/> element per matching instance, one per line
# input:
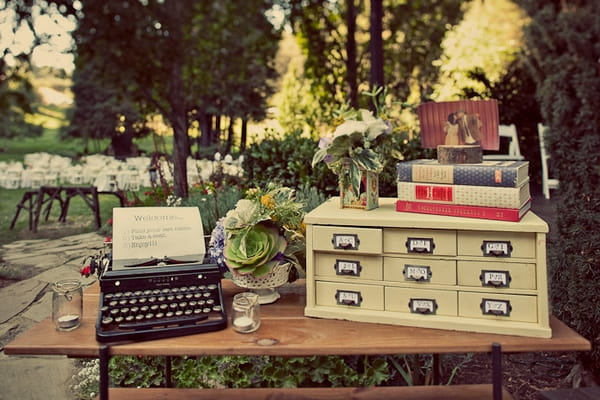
<point x="244" y="135"/>
<point x="376" y="44"/>
<point x="205" y="122"/>
<point x="351" y="67"/>
<point x="230" y="135"/>
<point x="178" y="114"/>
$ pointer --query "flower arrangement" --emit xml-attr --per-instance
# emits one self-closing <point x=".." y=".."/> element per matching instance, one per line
<point x="263" y="230"/>
<point x="360" y="142"/>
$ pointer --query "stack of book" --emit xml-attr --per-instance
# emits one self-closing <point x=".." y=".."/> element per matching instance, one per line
<point x="497" y="190"/>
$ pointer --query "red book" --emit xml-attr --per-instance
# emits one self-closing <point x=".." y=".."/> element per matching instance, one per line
<point x="456" y="210"/>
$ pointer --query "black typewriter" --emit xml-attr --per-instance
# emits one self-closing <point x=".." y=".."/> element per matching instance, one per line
<point x="159" y="300"/>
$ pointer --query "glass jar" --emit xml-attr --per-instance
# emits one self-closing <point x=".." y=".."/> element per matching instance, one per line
<point x="245" y="315"/>
<point x="67" y="304"/>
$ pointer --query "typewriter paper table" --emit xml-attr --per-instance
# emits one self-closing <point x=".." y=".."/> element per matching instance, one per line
<point x="285" y="331"/>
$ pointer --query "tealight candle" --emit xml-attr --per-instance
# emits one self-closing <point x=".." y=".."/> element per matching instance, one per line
<point x="67" y="304"/>
<point x="245" y="315"/>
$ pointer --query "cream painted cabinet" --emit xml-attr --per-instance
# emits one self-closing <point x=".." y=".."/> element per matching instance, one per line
<point x="384" y="266"/>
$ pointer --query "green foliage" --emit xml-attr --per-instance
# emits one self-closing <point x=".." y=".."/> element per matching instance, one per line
<point x="263" y="371"/>
<point x="213" y="203"/>
<point x="134" y="371"/>
<point x="488" y="38"/>
<point x="287" y="161"/>
<point x="564" y="55"/>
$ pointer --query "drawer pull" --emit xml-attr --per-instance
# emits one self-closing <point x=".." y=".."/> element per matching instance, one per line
<point x="495" y="279"/>
<point x="345" y="241"/>
<point x="498" y="248"/>
<point x="422" y="306"/>
<point x="347" y="267"/>
<point x="417" y="273"/>
<point x="500" y="308"/>
<point x="420" y="245"/>
<point x="348" y="298"/>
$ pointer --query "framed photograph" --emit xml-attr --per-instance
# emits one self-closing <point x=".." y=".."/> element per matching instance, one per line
<point x="457" y="123"/>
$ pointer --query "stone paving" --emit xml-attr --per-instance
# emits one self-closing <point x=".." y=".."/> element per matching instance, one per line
<point x="29" y="301"/>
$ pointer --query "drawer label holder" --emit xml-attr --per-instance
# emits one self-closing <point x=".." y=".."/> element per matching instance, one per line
<point x="347" y="267"/>
<point x="495" y="279"/>
<point x="496" y="307"/>
<point x="422" y="306"/>
<point x="420" y="245"/>
<point x="348" y="298"/>
<point x="496" y="248"/>
<point x="345" y="241"/>
<point x="417" y="273"/>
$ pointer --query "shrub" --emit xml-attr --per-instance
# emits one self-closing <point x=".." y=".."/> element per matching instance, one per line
<point x="565" y="66"/>
<point x="287" y="161"/>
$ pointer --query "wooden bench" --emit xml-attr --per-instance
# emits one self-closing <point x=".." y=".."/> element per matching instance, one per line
<point x="40" y="201"/>
<point x="586" y="393"/>
<point x="454" y="392"/>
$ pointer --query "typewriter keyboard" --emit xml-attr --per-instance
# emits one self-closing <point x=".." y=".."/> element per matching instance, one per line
<point x="170" y="301"/>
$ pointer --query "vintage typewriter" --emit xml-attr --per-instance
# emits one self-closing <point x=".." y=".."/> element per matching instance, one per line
<point x="159" y="298"/>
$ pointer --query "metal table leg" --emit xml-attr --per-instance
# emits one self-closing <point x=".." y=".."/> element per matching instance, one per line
<point x="497" y="371"/>
<point x="104" y="357"/>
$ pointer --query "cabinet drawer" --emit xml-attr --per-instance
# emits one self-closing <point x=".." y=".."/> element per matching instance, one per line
<point x="347" y="239"/>
<point x="421" y="301"/>
<point x="497" y="306"/>
<point x="496" y="274"/>
<point x="422" y="270"/>
<point x="496" y="244"/>
<point x="348" y="265"/>
<point x="419" y="241"/>
<point x="369" y="297"/>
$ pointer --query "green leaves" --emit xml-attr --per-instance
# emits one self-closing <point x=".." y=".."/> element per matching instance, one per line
<point x="253" y="252"/>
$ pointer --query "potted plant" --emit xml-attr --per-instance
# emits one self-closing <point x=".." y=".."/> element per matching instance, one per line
<point x="356" y="151"/>
<point x="261" y="240"/>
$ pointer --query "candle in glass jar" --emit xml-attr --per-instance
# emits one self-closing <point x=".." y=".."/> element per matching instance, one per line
<point x="66" y="322"/>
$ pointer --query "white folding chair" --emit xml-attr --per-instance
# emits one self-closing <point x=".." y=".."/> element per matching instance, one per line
<point x="509" y="132"/>
<point x="547" y="182"/>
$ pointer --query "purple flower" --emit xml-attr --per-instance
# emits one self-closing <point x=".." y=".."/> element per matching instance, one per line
<point x="324" y="142"/>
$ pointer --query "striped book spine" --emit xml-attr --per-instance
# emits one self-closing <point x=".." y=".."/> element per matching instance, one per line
<point x="453" y="210"/>
<point x="487" y="173"/>
<point x="485" y="196"/>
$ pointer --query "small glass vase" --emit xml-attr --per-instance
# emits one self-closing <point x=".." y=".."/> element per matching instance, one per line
<point x="245" y="312"/>
<point x="367" y="195"/>
<point x="67" y="304"/>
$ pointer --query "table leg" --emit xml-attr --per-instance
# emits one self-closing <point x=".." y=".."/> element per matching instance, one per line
<point x="436" y="369"/>
<point x="104" y="356"/>
<point x="168" y="382"/>
<point x="497" y="371"/>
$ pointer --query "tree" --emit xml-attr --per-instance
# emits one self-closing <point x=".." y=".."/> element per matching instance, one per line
<point x="376" y="44"/>
<point x="411" y="32"/>
<point x="172" y="57"/>
<point x="17" y="96"/>
<point x="99" y="114"/>
<point x="562" y="43"/>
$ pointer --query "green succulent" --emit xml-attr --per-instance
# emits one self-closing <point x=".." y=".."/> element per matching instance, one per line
<point x="256" y="250"/>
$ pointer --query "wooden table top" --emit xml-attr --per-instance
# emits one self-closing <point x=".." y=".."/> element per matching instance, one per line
<point x="285" y="331"/>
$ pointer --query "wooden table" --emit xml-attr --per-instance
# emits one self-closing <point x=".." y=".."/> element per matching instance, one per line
<point x="285" y="331"/>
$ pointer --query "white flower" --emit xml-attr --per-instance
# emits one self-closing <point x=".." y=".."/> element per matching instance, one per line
<point x="349" y="127"/>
